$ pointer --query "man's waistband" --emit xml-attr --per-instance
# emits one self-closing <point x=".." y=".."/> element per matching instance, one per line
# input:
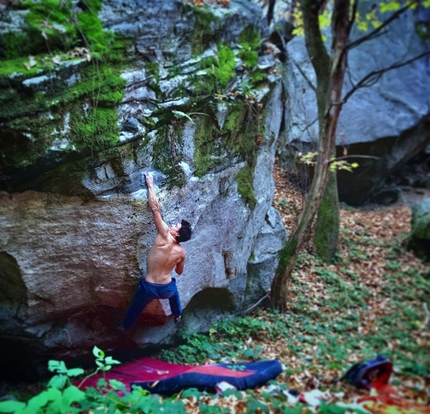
<point x="159" y="284"/>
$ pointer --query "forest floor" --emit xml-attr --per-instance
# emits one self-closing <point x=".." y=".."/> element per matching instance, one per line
<point x="368" y="301"/>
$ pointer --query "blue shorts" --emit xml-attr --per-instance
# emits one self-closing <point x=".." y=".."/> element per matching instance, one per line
<point x="146" y="292"/>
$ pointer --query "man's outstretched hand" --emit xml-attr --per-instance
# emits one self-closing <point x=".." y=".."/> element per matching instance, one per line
<point x="149" y="179"/>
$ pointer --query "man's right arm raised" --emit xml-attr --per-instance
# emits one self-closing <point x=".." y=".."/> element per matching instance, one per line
<point x="155" y="207"/>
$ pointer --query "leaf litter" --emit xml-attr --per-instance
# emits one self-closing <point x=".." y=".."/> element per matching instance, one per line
<point x="370" y="300"/>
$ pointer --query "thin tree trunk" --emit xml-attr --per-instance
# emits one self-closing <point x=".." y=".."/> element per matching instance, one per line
<point x="327" y="227"/>
<point x="330" y="76"/>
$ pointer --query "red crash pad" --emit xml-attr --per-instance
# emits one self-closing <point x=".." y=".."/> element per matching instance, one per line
<point x="166" y="378"/>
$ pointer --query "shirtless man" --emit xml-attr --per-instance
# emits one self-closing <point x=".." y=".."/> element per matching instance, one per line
<point x="165" y="255"/>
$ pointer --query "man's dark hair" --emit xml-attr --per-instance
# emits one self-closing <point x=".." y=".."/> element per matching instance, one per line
<point x="184" y="232"/>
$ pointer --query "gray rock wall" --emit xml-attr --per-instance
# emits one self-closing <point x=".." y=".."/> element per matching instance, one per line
<point x="75" y="227"/>
<point x="388" y="121"/>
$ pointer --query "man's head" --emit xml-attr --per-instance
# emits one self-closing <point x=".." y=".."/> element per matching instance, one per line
<point x="183" y="231"/>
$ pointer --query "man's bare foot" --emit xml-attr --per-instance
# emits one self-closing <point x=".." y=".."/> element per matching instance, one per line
<point x="177" y="320"/>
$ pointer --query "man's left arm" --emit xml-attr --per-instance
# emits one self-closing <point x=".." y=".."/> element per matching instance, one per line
<point x="180" y="267"/>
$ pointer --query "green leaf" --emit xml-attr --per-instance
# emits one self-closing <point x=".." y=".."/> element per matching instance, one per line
<point x="101" y="383"/>
<point x="179" y="114"/>
<point x="53" y="393"/>
<point x="11" y="406"/>
<point x="98" y="353"/>
<point x="110" y="360"/>
<point x="37" y="402"/>
<point x="57" y="366"/>
<point x="58" y="381"/>
<point x="117" y="385"/>
<point x="191" y="392"/>
<point x="249" y="353"/>
<point x="74" y="372"/>
<point x="295" y="410"/>
<point x="73" y="394"/>
<point x="53" y="365"/>
<point x="332" y="409"/>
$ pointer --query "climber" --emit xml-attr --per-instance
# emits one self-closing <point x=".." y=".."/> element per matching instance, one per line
<point x="165" y="255"/>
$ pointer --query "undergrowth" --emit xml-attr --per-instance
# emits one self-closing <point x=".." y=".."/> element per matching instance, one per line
<point x="336" y="317"/>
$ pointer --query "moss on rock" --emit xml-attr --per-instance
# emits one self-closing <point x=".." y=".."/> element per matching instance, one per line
<point x="60" y="100"/>
<point x="249" y="41"/>
<point x="202" y="33"/>
<point x="167" y="154"/>
<point x="238" y="136"/>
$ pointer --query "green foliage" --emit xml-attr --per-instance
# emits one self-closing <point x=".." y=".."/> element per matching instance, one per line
<point x="113" y="397"/>
<point x="97" y="129"/>
<point x="310" y="158"/>
<point x="167" y="154"/>
<point x="245" y="185"/>
<point x="83" y="111"/>
<point x="224" y="69"/>
<point x="202" y="33"/>
<point x="153" y="69"/>
<point x="226" y="341"/>
<point x="365" y="20"/>
<point x="59" y="397"/>
<point x="249" y="42"/>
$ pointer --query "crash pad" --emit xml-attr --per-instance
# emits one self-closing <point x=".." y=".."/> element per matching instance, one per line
<point x="165" y="378"/>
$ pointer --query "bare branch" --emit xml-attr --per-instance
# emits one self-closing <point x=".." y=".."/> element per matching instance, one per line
<point x="353" y="14"/>
<point x="375" y="32"/>
<point x="308" y="81"/>
<point x="345" y="157"/>
<point x="252" y="307"/>
<point x="372" y="77"/>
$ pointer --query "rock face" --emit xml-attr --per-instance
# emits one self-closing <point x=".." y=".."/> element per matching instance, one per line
<point x="419" y="240"/>
<point x="387" y="122"/>
<point x="161" y="86"/>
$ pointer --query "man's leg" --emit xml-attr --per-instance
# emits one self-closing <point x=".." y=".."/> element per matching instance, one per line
<point x="175" y="302"/>
<point x="141" y="299"/>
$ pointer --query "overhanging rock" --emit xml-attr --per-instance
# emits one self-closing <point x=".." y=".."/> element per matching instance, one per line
<point x="74" y="219"/>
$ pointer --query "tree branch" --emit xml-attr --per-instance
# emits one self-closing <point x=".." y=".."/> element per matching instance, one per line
<point x="372" y="77"/>
<point x="353" y="14"/>
<point x="345" y="157"/>
<point x="375" y="32"/>
<point x="315" y="46"/>
<point x="308" y="81"/>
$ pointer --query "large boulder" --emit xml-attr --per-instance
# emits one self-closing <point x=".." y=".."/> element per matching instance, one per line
<point x="419" y="240"/>
<point x="180" y="91"/>
<point x="385" y="123"/>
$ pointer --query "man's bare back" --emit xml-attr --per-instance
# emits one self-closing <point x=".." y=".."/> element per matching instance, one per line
<point x="165" y="255"/>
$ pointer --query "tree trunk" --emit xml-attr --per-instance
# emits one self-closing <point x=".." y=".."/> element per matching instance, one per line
<point x="327" y="228"/>
<point x="330" y="76"/>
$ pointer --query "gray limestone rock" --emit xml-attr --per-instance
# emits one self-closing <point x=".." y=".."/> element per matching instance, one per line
<point x="388" y="121"/>
<point x="75" y="226"/>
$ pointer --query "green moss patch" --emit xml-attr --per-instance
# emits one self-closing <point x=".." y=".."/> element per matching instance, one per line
<point x="202" y="33"/>
<point x="249" y="41"/>
<point x="72" y="101"/>
<point x="167" y="154"/>
<point x="239" y="136"/>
